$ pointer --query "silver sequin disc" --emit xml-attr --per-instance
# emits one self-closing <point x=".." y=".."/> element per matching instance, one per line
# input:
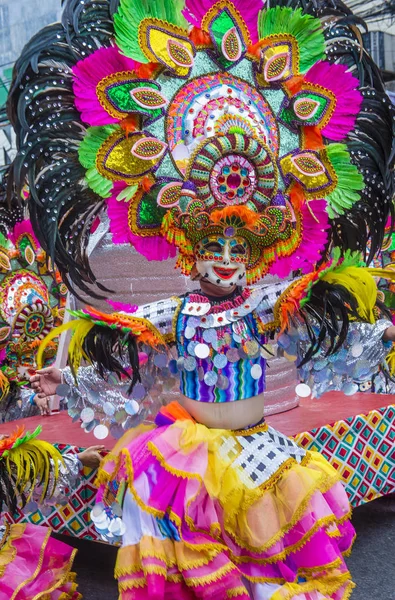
<point x="202" y="351"/>
<point x="256" y="371"/>
<point x="302" y="390"/>
<point x="160" y="361"/>
<point x="223" y="382"/>
<point x="109" y="409"/>
<point x="232" y="355"/>
<point x="190" y="363"/>
<point x="356" y="350"/>
<point x="267" y="352"/>
<point x="132" y="407"/>
<point x="220" y="361"/>
<point x="349" y="388"/>
<point x="210" y="336"/>
<point x="189" y="332"/>
<point x="210" y="378"/>
<point x="138" y="392"/>
<point x="100" y="432"/>
<point x="62" y="390"/>
<point x="191" y="348"/>
<point x="251" y="347"/>
<point x="87" y="415"/>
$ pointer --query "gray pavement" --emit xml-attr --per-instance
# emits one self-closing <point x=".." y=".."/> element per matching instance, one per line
<point x="372" y="562"/>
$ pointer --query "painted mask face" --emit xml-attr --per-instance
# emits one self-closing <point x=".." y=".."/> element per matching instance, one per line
<point x="222" y="261"/>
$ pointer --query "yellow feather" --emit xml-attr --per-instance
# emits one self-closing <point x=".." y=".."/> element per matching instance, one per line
<point x="360" y="283"/>
<point x="391" y="361"/>
<point x="80" y="328"/>
<point x="382" y="273"/>
<point x="30" y="464"/>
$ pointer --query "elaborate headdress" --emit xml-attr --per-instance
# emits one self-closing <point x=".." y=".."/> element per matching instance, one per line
<point x="27" y="465"/>
<point x="32" y="299"/>
<point x="184" y="118"/>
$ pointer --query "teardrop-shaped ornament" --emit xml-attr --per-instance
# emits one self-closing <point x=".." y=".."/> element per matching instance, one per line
<point x="170" y="194"/>
<point x="232" y="46"/>
<point x="277" y="67"/>
<point x="29" y="255"/>
<point x="149" y="149"/>
<point x="147" y="97"/>
<point x="5" y="261"/>
<point x="179" y="53"/>
<point x="306" y="108"/>
<point x="4" y="333"/>
<point x="308" y="164"/>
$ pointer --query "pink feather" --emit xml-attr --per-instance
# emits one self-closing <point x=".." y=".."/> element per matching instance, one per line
<point x="195" y="10"/>
<point x="153" y="248"/>
<point x="23" y="228"/>
<point x="122" y="307"/>
<point x="88" y="73"/>
<point x="314" y="239"/>
<point x="344" y="86"/>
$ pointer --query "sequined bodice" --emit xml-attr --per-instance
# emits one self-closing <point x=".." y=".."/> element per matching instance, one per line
<point x="220" y="348"/>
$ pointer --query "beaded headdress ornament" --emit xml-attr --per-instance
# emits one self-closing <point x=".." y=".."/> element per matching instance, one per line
<point x="32" y="303"/>
<point x="188" y="118"/>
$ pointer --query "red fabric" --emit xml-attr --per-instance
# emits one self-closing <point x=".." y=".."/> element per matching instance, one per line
<point x="331" y="407"/>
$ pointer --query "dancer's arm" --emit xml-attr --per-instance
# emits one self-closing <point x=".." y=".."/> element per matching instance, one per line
<point x="70" y="473"/>
<point x="360" y="357"/>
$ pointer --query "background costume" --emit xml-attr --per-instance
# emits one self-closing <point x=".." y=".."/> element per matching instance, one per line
<point x="32" y="302"/>
<point x="33" y="565"/>
<point x="250" y="139"/>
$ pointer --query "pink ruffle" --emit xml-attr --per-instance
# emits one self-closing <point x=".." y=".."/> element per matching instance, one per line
<point x="170" y="481"/>
<point x="40" y="568"/>
<point x="344" y="86"/>
<point x="88" y="73"/>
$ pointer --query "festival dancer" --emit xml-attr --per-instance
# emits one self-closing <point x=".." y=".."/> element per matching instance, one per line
<point x="250" y="139"/>
<point x="33" y="564"/>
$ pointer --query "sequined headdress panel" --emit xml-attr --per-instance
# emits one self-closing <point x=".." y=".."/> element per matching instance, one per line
<point x="183" y="119"/>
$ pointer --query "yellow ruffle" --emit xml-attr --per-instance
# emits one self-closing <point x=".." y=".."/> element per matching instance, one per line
<point x="283" y="499"/>
<point x="171" y="553"/>
<point x="327" y="586"/>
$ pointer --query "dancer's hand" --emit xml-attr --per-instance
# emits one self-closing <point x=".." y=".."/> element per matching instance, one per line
<point x="389" y="334"/>
<point x="45" y="381"/>
<point x="42" y="402"/>
<point x="91" y="456"/>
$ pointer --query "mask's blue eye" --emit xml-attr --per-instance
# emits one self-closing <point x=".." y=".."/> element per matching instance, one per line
<point x="213" y="247"/>
<point x="238" y="249"/>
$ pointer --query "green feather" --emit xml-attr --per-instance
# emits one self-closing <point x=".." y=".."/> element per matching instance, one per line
<point x="349" y="181"/>
<point x="98" y="183"/>
<point x="87" y="153"/>
<point x="306" y="29"/>
<point x="3" y="241"/>
<point x="93" y="140"/>
<point x="129" y="16"/>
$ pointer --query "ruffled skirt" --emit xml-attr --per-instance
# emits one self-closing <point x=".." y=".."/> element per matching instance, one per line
<point x="34" y="566"/>
<point x="215" y="514"/>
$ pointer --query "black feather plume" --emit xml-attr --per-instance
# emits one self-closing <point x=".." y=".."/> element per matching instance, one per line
<point x="108" y="348"/>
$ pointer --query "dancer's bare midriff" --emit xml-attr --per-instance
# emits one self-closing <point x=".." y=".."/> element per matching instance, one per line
<point x="226" y="415"/>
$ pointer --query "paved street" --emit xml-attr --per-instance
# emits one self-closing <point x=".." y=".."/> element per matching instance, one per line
<point x="372" y="563"/>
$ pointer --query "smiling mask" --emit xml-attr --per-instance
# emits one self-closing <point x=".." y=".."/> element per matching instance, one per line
<point x="222" y="261"/>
